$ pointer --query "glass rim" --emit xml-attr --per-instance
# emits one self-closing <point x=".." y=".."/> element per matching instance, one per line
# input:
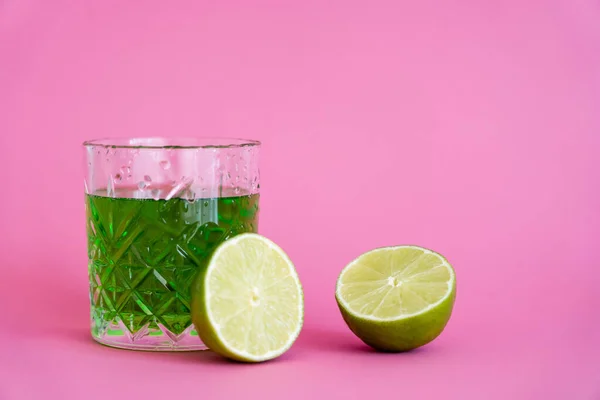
<point x="171" y="143"/>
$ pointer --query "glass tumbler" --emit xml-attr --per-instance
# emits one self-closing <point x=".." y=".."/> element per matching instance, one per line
<point x="156" y="208"/>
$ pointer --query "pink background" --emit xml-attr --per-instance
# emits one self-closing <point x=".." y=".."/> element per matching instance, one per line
<point x="471" y="127"/>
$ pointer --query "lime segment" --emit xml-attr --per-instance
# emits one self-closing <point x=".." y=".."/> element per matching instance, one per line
<point x="247" y="304"/>
<point x="397" y="298"/>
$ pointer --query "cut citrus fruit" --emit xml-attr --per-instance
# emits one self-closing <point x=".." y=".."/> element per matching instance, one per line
<point x="247" y="304"/>
<point x="397" y="298"/>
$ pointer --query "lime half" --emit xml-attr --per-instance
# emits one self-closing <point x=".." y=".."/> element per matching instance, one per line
<point x="397" y="298"/>
<point x="247" y="304"/>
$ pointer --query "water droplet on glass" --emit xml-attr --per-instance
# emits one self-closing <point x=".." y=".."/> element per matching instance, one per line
<point x="118" y="178"/>
<point x="155" y="194"/>
<point x="205" y="203"/>
<point x="147" y="178"/>
<point x="125" y="170"/>
<point x="191" y="196"/>
<point x="142" y="185"/>
<point x="165" y="164"/>
<point x="110" y="189"/>
<point x="236" y="190"/>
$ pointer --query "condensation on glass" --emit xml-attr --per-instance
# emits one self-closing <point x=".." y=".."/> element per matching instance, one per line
<point x="156" y="208"/>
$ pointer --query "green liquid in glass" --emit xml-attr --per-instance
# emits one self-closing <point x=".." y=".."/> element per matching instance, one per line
<point x="144" y="255"/>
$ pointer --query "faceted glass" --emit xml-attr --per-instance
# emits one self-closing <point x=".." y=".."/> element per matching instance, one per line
<point x="156" y="208"/>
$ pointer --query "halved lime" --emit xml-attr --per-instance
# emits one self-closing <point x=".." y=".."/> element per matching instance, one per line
<point x="247" y="304"/>
<point x="397" y="298"/>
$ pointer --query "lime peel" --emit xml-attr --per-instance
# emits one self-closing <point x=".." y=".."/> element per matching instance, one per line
<point x="247" y="304"/>
<point x="397" y="298"/>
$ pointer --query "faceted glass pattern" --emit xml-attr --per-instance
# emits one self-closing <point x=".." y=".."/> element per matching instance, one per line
<point x="146" y="243"/>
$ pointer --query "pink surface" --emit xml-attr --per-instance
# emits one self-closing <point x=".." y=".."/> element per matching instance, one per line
<point x="466" y="126"/>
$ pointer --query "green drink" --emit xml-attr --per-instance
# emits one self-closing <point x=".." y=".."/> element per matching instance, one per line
<point x="144" y="255"/>
<point x="156" y="209"/>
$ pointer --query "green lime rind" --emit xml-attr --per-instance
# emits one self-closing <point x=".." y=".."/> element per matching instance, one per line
<point x="403" y="333"/>
<point x="206" y="327"/>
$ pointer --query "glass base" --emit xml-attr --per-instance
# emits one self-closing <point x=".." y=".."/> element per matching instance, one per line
<point x="149" y="340"/>
<point x="158" y="346"/>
